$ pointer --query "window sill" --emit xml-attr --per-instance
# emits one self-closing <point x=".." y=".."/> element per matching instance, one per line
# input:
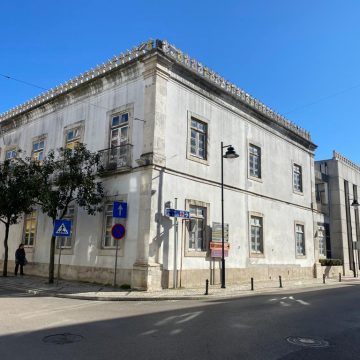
<point x="298" y="192"/>
<point x="254" y="178"/>
<point x="197" y="159"/>
<point x="300" y="256"/>
<point x="257" y="255"/>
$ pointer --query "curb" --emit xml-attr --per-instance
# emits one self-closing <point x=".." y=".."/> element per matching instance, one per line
<point x="116" y="298"/>
<point x="240" y="293"/>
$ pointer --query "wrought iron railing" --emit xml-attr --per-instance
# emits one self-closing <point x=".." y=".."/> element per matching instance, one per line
<point x="116" y="158"/>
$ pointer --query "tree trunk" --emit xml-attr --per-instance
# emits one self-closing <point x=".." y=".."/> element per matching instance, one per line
<point x="52" y="259"/>
<point x="6" y="256"/>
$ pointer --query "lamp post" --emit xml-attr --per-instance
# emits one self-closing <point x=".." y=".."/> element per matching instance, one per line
<point x="356" y="205"/>
<point x="230" y="154"/>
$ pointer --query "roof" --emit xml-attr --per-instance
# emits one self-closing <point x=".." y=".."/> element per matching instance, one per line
<point x="179" y="57"/>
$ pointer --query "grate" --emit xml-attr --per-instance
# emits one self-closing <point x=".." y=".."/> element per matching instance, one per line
<point x="62" y="339"/>
<point x="307" y="342"/>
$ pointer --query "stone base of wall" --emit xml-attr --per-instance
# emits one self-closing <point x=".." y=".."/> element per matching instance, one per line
<point x="146" y="277"/>
<point x="332" y="271"/>
<point x="197" y="278"/>
<point x="153" y="278"/>
<point x="78" y="273"/>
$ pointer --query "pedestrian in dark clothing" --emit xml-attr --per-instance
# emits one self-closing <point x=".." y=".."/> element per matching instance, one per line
<point x="20" y="259"/>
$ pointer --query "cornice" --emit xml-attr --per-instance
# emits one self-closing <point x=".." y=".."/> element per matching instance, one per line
<point x="211" y="76"/>
<point x="77" y="81"/>
<point x="337" y="156"/>
<point x="174" y="54"/>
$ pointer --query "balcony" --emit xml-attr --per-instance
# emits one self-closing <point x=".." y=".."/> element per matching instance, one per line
<point x="116" y="158"/>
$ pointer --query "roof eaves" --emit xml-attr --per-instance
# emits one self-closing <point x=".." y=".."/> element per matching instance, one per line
<point x="86" y="77"/>
<point x="210" y="75"/>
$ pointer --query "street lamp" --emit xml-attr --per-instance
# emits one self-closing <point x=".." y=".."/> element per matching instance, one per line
<point x="356" y="205"/>
<point x="230" y="154"/>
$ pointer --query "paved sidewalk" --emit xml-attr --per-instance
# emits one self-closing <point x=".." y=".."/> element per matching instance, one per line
<point x="86" y="291"/>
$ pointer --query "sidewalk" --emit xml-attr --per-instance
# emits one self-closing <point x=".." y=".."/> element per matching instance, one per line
<point x="86" y="291"/>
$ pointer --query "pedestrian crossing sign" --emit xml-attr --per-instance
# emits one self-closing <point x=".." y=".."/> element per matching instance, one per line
<point x="62" y="228"/>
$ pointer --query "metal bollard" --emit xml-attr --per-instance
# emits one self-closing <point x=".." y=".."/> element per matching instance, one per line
<point x="252" y="284"/>
<point x="280" y="281"/>
<point x="207" y="287"/>
<point x="323" y="278"/>
<point x="339" y="277"/>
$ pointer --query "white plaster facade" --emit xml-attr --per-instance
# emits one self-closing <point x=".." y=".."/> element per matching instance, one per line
<point x="162" y="90"/>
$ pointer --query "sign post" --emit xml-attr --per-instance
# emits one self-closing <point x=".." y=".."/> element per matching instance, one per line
<point x="62" y="228"/>
<point x="176" y="213"/>
<point x="175" y="249"/>
<point x="117" y="232"/>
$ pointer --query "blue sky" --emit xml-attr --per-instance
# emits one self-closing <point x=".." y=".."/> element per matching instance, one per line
<point x="301" y="58"/>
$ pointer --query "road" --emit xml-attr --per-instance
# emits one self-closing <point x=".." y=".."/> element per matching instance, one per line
<point x="254" y="327"/>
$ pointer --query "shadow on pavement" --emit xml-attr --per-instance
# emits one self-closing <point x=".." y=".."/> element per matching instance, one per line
<point x="246" y="328"/>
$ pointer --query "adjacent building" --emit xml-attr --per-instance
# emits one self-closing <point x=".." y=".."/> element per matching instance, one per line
<point x="158" y="118"/>
<point x="337" y="182"/>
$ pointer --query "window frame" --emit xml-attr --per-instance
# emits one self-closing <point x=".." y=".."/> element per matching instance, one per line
<point x="37" y="140"/>
<point x="252" y="253"/>
<point x="80" y="126"/>
<point x="13" y="149"/>
<point x="26" y="218"/>
<point x="300" y="255"/>
<point x="190" y="252"/>
<point x="294" y="184"/>
<point x="129" y="109"/>
<point x="321" y="229"/>
<point x="250" y="175"/>
<point x="118" y="128"/>
<point x="189" y="155"/>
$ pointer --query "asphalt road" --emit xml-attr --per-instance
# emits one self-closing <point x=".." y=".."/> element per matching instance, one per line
<point x="255" y="327"/>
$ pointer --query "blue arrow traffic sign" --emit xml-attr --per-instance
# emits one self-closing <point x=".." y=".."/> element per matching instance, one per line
<point x="118" y="231"/>
<point x="120" y="209"/>
<point x="62" y="228"/>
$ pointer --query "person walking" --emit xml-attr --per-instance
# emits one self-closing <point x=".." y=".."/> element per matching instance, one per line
<point x="20" y="259"/>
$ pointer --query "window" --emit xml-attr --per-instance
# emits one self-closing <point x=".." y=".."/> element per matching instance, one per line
<point x="119" y="138"/>
<point x="109" y="222"/>
<point x="322" y="242"/>
<point x="30" y="228"/>
<point x="300" y="239"/>
<point x="321" y="193"/>
<point x="66" y="241"/>
<point x="72" y="137"/>
<point x="254" y="161"/>
<point x="297" y="177"/>
<point x="197" y="228"/>
<point x="119" y="130"/>
<point x="256" y="233"/>
<point x="38" y="150"/>
<point x="10" y="154"/>
<point x="198" y="138"/>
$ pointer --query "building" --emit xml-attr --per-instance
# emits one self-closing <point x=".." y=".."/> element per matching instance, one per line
<point x="337" y="182"/>
<point x="158" y="117"/>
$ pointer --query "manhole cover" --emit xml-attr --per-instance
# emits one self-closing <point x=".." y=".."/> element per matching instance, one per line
<point x="308" y="342"/>
<point x="62" y="339"/>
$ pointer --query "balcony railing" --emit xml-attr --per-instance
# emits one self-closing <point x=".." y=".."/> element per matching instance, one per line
<point x="116" y="158"/>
